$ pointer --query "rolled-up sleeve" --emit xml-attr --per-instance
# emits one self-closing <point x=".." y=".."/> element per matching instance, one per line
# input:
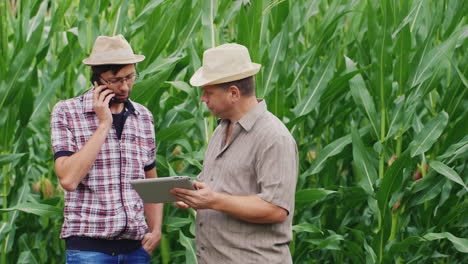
<point x="277" y="168"/>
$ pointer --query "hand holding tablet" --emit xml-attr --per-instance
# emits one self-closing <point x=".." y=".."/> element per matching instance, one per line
<point x="157" y="190"/>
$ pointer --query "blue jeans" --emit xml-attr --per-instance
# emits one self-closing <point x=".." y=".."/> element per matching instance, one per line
<point x="139" y="256"/>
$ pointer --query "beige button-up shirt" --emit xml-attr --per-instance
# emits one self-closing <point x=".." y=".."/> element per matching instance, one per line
<point x="260" y="158"/>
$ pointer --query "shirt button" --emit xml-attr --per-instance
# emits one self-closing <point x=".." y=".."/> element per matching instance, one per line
<point x="211" y="179"/>
<point x="201" y="224"/>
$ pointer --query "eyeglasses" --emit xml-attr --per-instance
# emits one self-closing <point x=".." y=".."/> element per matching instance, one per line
<point x="119" y="81"/>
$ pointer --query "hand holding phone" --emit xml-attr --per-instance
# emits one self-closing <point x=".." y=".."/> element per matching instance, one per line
<point x="102" y="96"/>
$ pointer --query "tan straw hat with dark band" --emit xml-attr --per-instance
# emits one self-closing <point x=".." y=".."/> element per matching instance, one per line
<point x="112" y="50"/>
<point x="225" y="63"/>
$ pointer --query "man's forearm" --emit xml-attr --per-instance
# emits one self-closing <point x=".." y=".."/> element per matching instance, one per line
<point x="72" y="169"/>
<point x="154" y="214"/>
<point x="249" y="208"/>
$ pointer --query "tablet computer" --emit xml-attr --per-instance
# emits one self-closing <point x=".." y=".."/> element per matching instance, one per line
<point x="157" y="190"/>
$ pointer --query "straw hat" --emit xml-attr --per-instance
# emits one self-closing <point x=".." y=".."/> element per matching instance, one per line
<point x="112" y="50"/>
<point x="225" y="63"/>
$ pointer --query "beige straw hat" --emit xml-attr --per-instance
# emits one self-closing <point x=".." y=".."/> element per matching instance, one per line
<point x="225" y="63"/>
<point x="112" y="50"/>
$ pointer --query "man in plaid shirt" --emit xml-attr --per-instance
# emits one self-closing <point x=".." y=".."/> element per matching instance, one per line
<point x="101" y="140"/>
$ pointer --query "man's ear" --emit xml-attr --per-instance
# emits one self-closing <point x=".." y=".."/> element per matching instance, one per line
<point x="235" y="93"/>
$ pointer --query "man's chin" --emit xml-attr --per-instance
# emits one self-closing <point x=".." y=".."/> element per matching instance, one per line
<point x="120" y="100"/>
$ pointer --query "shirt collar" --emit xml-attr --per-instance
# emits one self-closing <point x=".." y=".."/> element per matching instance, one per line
<point x="249" y="119"/>
<point x="87" y="99"/>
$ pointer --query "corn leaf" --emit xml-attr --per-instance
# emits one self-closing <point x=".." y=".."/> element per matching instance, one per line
<point x="208" y="17"/>
<point x="317" y="86"/>
<point x="424" y="140"/>
<point x="189" y="245"/>
<point x="306" y="227"/>
<point x="448" y="172"/>
<point x="8" y="158"/>
<point x="361" y="96"/>
<point x="276" y="54"/>
<point x="457" y="150"/>
<point x="4" y="229"/>
<point x="27" y="257"/>
<point x="35" y="208"/>
<point x="331" y="150"/>
<point x="433" y="58"/>
<point x="175" y="131"/>
<point x="143" y="17"/>
<point x="391" y="183"/>
<point x="461" y="244"/>
<point x="362" y="163"/>
<point x="310" y="195"/>
<point x="176" y="222"/>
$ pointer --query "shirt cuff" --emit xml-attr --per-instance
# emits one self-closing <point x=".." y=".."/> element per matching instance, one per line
<point x="277" y="202"/>
<point x="63" y="153"/>
<point x="150" y="167"/>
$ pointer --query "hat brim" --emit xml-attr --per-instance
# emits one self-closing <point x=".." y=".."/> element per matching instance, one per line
<point x="135" y="59"/>
<point x="198" y="79"/>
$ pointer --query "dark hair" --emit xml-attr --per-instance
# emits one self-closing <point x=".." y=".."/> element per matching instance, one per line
<point x="96" y="71"/>
<point x="246" y="85"/>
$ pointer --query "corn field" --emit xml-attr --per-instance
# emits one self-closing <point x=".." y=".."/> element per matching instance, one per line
<point x="374" y="92"/>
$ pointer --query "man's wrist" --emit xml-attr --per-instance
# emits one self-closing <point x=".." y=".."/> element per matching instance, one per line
<point x="217" y="201"/>
<point x="105" y="125"/>
<point x="156" y="230"/>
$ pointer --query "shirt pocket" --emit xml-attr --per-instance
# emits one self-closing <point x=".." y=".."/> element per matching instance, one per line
<point x="237" y="176"/>
<point x="146" y="146"/>
<point x="137" y="150"/>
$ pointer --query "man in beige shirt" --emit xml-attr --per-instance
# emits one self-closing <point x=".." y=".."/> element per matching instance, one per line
<point x="245" y="196"/>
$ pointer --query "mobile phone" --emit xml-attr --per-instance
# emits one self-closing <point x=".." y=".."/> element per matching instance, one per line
<point x="95" y="78"/>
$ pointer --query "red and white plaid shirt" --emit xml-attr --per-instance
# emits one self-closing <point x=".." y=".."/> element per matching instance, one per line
<point x="104" y="205"/>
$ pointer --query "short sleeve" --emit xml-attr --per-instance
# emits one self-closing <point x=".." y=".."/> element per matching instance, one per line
<point x="277" y="168"/>
<point x="61" y="134"/>
<point x="150" y="167"/>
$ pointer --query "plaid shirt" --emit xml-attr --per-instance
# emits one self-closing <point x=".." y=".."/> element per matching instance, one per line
<point x="104" y="205"/>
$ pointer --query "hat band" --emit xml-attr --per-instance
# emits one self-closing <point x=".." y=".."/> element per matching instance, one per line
<point x="113" y="54"/>
<point x="211" y="74"/>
